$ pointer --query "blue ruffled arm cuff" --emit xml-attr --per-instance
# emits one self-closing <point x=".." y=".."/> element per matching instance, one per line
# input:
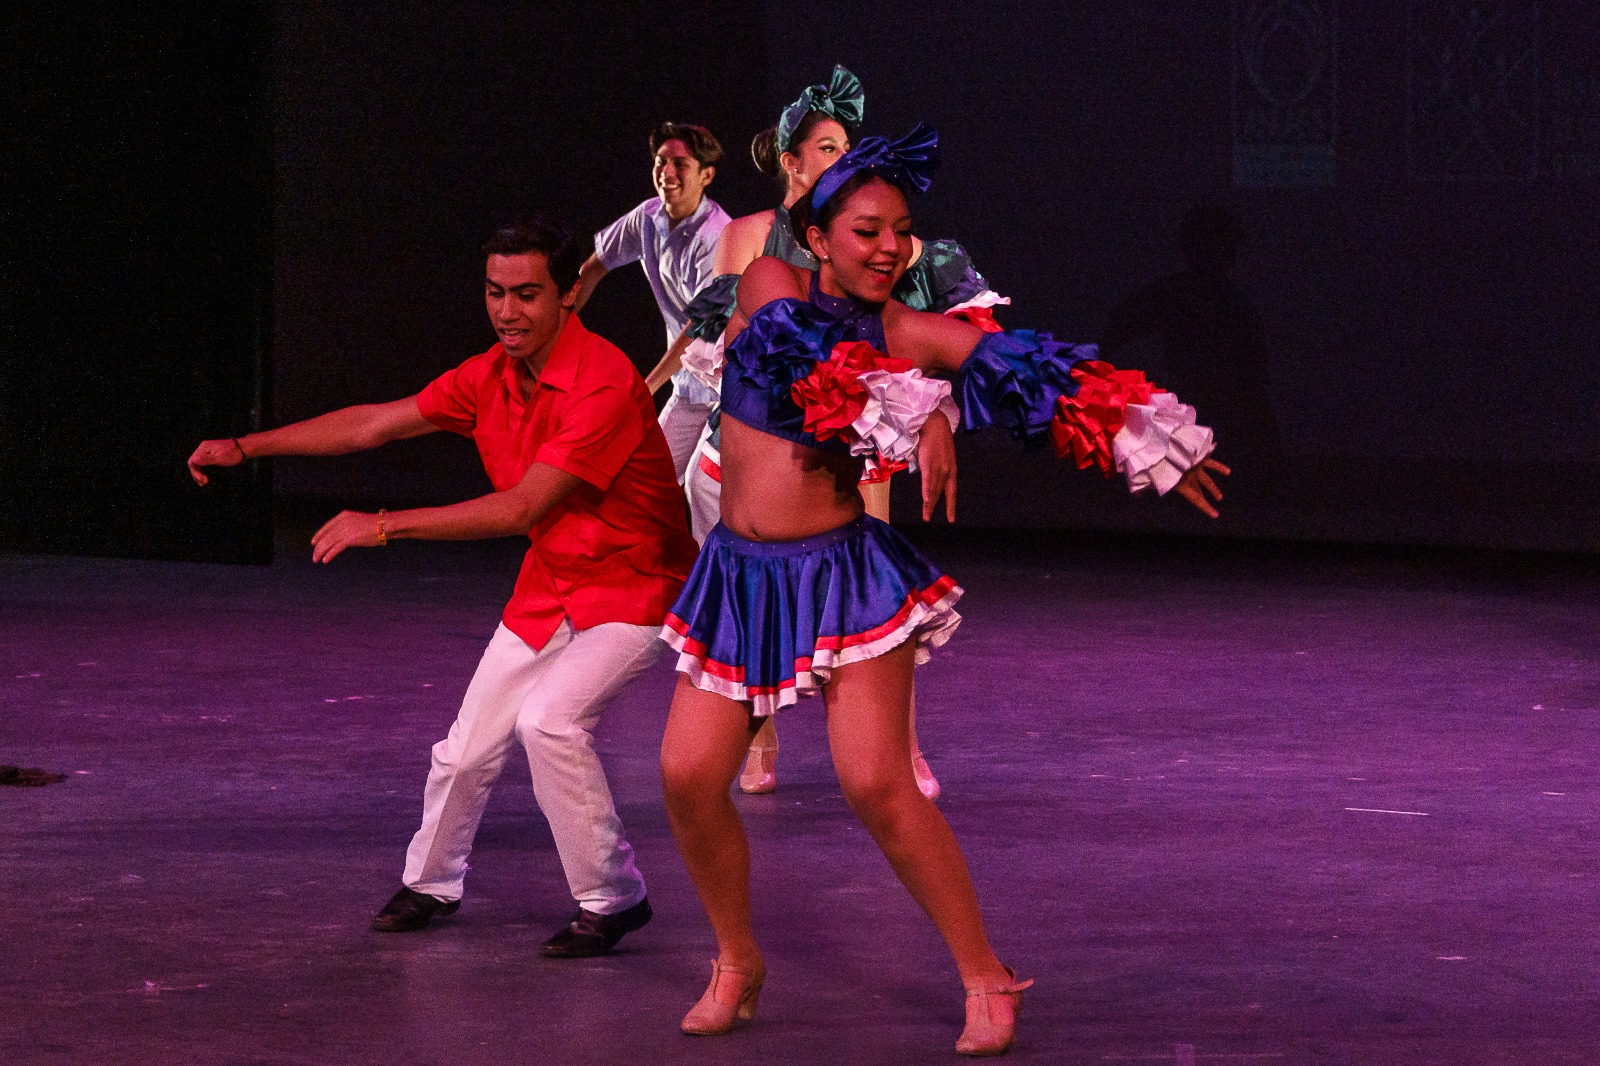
<point x="711" y="308"/>
<point x="1012" y="380"/>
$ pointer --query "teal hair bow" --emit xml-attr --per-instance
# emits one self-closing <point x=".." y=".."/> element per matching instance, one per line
<point x="842" y="99"/>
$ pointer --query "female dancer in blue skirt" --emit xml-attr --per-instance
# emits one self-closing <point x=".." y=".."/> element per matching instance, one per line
<point x="810" y="136"/>
<point x="798" y="591"/>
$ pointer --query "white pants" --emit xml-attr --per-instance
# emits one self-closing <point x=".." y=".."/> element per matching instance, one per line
<point x="549" y="700"/>
<point x="703" y="490"/>
<point x="683" y="419"/>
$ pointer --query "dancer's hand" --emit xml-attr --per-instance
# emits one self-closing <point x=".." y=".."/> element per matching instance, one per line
<point x="347" y="529"/>
<point x="214" y="453"/>
<point x="936" y="458"/>
<point x="1197" y="483"/>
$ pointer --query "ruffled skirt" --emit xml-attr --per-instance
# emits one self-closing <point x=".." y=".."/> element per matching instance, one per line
<point x="767" y="622"/>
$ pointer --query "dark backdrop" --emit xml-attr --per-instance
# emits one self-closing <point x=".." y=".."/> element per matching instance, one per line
<point x="1415" y="181"/>
<point x="405" y="129"/>
<point x="135" y="259"/>
<point x="1427" y="312"/>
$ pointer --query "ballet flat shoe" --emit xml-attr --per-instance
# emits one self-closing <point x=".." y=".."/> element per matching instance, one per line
<point x="714" y="1014"/>
<point x="927" y="784"/>
<point x="991" y="1022"/>
<point x="760" y="773"/>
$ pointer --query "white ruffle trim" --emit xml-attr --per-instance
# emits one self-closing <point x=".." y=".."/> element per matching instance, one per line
<point x="951" y="412"/>
<point x="1158" y="442"/>
<point x="897" y="405"/>
<point x="986" y="298"/>
<point x="929" y="624"/>
<point x="704" y="360"/>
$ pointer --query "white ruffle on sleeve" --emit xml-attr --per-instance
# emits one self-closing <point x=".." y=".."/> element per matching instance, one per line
<point x="1158" y="442"/>
<point x="897" y="405"/>
<point x="986" y="298"/>
<point x="703" y="359"/>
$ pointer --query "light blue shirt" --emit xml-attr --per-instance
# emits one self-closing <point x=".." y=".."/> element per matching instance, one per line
<point x="676" y="259"/>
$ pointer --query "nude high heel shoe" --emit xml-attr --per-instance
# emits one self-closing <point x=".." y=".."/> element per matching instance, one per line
<point x="992" y="1017"/>
<point x="927" y="784"/>
<point x="730" y="998"/>
<point x="760" y="773"/>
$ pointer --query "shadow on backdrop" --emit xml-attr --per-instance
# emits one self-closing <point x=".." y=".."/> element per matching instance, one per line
<point x="1203" y="338"/>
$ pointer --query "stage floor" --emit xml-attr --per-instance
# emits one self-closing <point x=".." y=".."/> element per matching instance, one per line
<point x="1228" y="803"/>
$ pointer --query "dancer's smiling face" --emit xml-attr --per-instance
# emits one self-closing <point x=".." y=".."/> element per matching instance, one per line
<point x="525" y="306"/>
<point x="867" y="244"/>
<point x="679" y="179"/>
<point x="818" y="150"/>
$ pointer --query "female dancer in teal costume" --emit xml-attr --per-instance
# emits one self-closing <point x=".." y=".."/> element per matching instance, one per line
<point x="798" y="591"/>
<point x="811" y="135"/>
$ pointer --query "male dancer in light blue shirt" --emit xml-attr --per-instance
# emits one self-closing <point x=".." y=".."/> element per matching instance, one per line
<point x="672" y="235"/>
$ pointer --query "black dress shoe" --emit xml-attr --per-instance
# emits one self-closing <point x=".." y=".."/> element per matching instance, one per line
<point x="590" y="934"/>
<point x="409" y="911"/>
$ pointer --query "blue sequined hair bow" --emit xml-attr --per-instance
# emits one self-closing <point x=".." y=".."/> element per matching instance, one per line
<point x="908" y="163"/>
<point x="842" y="99"/>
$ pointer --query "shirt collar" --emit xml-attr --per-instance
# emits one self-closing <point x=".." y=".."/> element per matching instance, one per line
<point x="664" y="226"/>
<point x="561" y="369"/>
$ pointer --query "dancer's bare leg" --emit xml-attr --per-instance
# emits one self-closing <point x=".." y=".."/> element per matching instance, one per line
<point x="875" y="497"/>
<point x="868" y="731"/>
<point x="706" y="737"/>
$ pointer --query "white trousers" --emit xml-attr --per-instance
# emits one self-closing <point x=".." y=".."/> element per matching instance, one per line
<point x="703" y="490"/>
<point x="550" y="701"/>
<point x="683" y="420"/>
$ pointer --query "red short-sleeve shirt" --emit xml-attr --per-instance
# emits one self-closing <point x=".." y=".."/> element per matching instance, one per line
<point x="614" y="549"/>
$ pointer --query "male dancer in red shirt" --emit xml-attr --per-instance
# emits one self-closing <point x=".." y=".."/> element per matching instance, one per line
<point x="568" y="435"/>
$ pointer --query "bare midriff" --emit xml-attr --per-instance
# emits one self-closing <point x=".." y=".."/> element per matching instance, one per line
<point x="775" y="490"/>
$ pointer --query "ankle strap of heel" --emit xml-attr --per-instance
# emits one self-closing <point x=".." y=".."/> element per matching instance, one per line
<point x="1013" y="987"/>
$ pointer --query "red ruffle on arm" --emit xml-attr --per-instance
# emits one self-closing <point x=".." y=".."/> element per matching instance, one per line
<point x="880" y="470"/>
<point x="832" y="395"/>
<point x="982" y="317"/>
<point x="1086" y="422"/>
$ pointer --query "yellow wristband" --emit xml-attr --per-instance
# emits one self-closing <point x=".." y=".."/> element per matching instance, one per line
<point x="383" y="538"/>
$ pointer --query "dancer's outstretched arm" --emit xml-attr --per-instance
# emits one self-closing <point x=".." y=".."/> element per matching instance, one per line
<point x="589" y="276"/>
<point x="941" y="344"/>
<point x="349" y="429"/>
<point x="499" y="514"/>
<point x="1029" y="383"/>
<point x="661" y="375"/>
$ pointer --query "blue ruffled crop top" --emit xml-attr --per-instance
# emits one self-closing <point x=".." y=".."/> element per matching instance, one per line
<point x="1012" y="379"/>
<point x="785" y="339"/>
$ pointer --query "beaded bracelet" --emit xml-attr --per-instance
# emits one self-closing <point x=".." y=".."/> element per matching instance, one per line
<point x="383" y="538"/>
